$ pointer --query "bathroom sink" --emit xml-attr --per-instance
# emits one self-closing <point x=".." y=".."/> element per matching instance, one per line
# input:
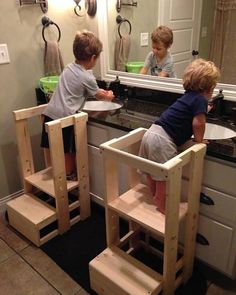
<point x="216" y="132"/>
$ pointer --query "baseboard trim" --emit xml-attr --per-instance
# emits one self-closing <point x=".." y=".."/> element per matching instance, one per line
<point x="6" y="199"/>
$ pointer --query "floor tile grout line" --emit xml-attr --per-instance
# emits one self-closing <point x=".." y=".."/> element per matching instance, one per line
<point x="18" y="253"/>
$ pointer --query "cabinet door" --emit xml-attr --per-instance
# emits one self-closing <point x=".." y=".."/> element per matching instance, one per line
<point x="96" y="174"/>
<point x="97" y="134"/>
<point x="220" y="177"/>
<point x="217" y="238"/>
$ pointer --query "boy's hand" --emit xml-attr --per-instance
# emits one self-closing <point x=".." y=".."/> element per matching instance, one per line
<point x="205" y="141"/>
<point x="209" y="107"/>
<point x="106" y="95"/>
<point x="110" y="95"/>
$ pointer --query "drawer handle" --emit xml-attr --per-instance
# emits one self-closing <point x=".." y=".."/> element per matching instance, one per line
<point x="206" y="200"/>
<point x="200" y="239"/>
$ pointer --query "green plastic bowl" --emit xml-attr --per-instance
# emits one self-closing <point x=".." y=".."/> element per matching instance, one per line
<point x="48" y="84"/>
<point x="134" y="66"/>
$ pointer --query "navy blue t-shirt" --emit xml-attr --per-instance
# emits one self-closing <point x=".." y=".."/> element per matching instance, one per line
<point x="177" y="119"/>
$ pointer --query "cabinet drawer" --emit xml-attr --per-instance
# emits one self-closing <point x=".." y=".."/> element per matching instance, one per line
<point x="220" y="177"/>
<point x="217" y="204"/>
<point x="218" y="237"/>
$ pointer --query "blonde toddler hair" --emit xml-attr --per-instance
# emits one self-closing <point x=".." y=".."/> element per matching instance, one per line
<point x="162" y="34"/>
<point x="85" y="45"/>
<point x="200" y="75"/>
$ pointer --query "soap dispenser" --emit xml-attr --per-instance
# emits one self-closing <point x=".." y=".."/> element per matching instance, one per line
<point x="115" y="87"/>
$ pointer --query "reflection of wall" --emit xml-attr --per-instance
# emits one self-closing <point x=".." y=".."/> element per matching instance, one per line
<point x="208" y="7"/>
<point x="143" y="20"/>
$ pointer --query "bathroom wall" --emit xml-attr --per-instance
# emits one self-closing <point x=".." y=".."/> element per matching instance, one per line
<point x="208" y="10"/>
<point x="21" y="30"/>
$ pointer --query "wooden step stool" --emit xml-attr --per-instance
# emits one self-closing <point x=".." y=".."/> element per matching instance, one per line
<point x="115" y="271"/>
<point x="29" y="214"/>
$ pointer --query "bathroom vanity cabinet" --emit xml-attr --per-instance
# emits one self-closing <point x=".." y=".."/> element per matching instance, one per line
<point x="216" y="240"/>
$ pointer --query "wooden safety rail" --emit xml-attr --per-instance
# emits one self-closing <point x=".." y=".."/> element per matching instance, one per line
<point x="127" y="275"/>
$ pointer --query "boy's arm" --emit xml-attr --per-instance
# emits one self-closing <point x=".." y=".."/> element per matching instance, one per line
<point x="144" y="70"/>
<point x="198" y="124"/>
<point x="104" y="95"/>
<point x="163" y="74"/>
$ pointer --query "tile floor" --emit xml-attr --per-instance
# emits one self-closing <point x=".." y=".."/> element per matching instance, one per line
<point x="27" y="270"/>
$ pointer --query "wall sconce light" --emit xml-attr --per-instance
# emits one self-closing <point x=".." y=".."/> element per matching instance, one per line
<point x="78" y="8"/>
<point x="90" y="5"/>
<point x="43" y="4"/>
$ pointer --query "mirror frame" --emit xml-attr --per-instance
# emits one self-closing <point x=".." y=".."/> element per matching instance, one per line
<point x="139" y="80"/>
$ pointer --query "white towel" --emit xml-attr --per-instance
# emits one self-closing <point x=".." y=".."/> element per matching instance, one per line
<point x="53" y="63"/>
<point x="122" y="49"/>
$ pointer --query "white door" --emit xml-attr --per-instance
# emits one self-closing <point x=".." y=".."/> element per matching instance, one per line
<point x="183" y="17"/>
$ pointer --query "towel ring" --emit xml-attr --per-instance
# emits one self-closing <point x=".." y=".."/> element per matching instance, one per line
<point x="120" y="20"/>
<point x="46" y="22"/>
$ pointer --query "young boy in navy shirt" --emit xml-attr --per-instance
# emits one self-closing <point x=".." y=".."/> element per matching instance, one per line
<point x="184" y="118"/>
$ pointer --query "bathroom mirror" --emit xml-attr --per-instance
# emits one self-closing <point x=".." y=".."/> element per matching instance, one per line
<point x="148" y="19"/>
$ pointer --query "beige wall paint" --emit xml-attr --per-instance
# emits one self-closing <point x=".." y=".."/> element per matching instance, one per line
<point x="21" y="29"/>
<point x="208" y="11"/>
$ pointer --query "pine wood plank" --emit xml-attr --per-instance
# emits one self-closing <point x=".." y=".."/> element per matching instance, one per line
<point x="136" y="204"/>
<point x="59" y="175"/>
<point x="28" y="216"/>
<point x="171" y="229"/>
<point x="115" y="272"/>
<point x="29" y="112"/>
<point x="43" y="180"/>
<point x="80" y="125"/>
<point x="33" y="210"/>
<point x="191" y="225"/>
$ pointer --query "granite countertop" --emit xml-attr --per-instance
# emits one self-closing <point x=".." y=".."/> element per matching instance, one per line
<point x="135" y="113"/>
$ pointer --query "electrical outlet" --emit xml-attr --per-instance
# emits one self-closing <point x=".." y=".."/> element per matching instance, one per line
<point x="144" y="39"/>
<point x="4" y="55"/>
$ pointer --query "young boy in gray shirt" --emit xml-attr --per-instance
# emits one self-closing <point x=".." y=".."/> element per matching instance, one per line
<point x="159" y="60"/>
<point x="75" y="85"/>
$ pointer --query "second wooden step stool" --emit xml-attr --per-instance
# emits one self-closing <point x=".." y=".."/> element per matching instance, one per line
<point x="35" y="217"/>
<point x="115" y="271"/>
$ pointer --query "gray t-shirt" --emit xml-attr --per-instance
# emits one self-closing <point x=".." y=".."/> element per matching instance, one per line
<point x="166" y="65"/>
<point x="75" y="85"/>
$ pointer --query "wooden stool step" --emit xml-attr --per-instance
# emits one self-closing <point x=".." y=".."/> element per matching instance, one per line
<point x="29" y="216"/>
<point x="117" y="273"/>
<point x="137" y="204"/>
<point x="43" y="180"/>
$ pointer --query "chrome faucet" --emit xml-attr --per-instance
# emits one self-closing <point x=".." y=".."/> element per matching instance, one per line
<point x="215" y="99"/>
<point x="115" y="87"/>
<point x="217" y="103"/>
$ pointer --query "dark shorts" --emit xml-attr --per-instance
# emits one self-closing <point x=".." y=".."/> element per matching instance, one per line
<point x="67" y="135"/>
